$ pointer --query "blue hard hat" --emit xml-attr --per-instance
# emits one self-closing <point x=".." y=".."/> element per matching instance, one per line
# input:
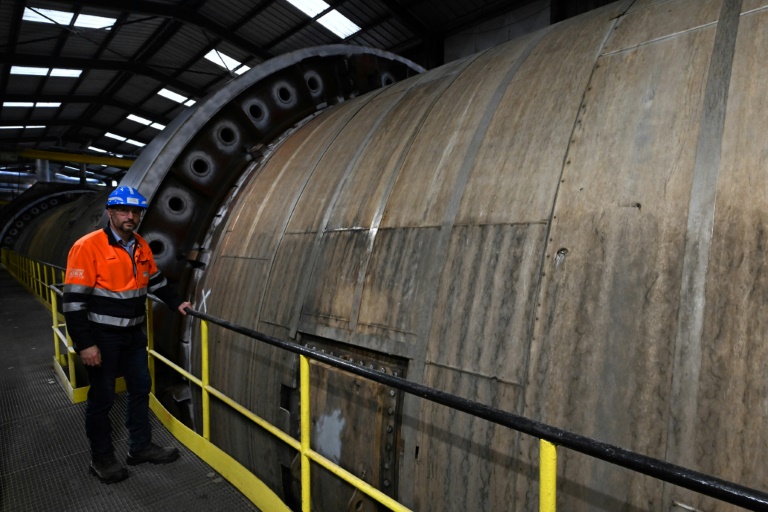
<point x="126" y="196"/>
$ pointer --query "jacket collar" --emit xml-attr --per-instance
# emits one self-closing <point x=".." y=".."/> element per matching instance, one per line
<point x="111" y="237"/>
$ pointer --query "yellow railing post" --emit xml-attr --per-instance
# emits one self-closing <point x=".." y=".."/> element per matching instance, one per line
<point x="306" y="494"/>
<point x="38" y="280"/>
<point x="205" y="380"/>
<point x="547" y="476"/>
<point x="54" y="312"/>
<point x="48" y="291"/>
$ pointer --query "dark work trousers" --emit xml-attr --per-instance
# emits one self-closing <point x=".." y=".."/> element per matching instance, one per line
<point x="123" y="352"/>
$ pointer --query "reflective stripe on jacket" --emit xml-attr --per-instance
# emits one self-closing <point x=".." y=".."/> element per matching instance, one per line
<point x="103" y="288"/>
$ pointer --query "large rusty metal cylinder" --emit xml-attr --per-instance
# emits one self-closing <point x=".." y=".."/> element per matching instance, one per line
<point x="570" y="226"/>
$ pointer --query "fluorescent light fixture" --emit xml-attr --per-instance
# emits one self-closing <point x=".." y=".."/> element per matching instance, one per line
<point x="338" y="24"/>
<point x="113" y="136"/>
<point x="30" y="104"/>
<point x="90" y="21"/>
<point x="310" y="7"/>
<point x="92" y="148"/>
<point x="47" y="16"/>
<point x="135" y="142"/>
<point x="25" y="70"/>
<point x="189" y="103"/>
<point x="19" y="127"/>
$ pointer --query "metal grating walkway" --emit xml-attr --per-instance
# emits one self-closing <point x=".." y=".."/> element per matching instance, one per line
<point x="44" y="454"/>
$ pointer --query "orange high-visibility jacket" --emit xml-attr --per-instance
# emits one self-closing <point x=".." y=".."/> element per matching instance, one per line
<point x="104" y="288"/>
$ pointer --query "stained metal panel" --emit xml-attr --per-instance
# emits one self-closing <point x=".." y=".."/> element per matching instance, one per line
<point x="749" y="5"/>
<point x="611" y="278"/>
<point x="396" y="283"/>
<point x="501" y="187"/>
<point x="735" y="327"/>
<point x="321" y="191"/>
<point x="426" y="183"/>
<point x="642" y="25"/>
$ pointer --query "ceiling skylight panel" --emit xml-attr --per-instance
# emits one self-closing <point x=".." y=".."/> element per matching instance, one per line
<point x="333" y="20"/>
<point x="178" y="98"/>
<point x="25" y="70"/>
<point x="145" y="122"/>
<point x="90" y="21"/>
<point x="68" y="73"/>
<point x="310" y="7"/>
<point x="226" y="62"/>
<point x="338" y="24"/>
<point x="47" y="16"/>
<point x="139" y="120"/>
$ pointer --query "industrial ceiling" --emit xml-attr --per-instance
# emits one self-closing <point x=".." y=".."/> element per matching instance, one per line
<point x="101" y="79"/>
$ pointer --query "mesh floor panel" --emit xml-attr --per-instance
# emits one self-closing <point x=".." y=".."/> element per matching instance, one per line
<point x="44" y="453"/>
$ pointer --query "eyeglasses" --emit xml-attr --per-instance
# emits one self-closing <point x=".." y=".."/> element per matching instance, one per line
<point x="124" y="210"/>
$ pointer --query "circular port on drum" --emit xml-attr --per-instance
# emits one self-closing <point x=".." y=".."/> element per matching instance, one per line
<point x="227" y="135"/>
<point x="177" y="204"/>
<point x="200" y="166"/>
<point x="157" y="247"/>
<point x="284" y="94"/>
<point x="314" y="83"/>
<point x="256" y="111"/>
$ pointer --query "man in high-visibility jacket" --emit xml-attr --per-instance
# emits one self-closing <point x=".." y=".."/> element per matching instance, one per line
<point x="109" y="273"/>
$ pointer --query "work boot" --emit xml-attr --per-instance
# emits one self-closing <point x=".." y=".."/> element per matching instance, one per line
<point x="154" y="454"/>
<point x="107" y="469"/>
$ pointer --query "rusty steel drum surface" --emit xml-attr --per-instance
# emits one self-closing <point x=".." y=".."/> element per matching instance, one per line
<point x="570" y="226"/>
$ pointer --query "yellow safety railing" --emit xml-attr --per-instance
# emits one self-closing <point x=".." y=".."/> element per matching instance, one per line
<point x="35" y="276"/>
<point x="45" y="282"/>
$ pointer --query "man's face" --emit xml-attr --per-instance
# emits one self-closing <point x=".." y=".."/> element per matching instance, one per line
<point x="124" y="219"/>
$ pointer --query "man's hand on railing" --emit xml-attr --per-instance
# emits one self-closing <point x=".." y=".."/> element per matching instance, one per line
<point x="183" y="307"/>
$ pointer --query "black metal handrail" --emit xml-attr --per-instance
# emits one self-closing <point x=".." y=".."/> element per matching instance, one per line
<point x="714" y="487"/>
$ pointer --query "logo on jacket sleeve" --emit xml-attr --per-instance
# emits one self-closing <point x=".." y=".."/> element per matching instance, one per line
<point x="76" y="273"/>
